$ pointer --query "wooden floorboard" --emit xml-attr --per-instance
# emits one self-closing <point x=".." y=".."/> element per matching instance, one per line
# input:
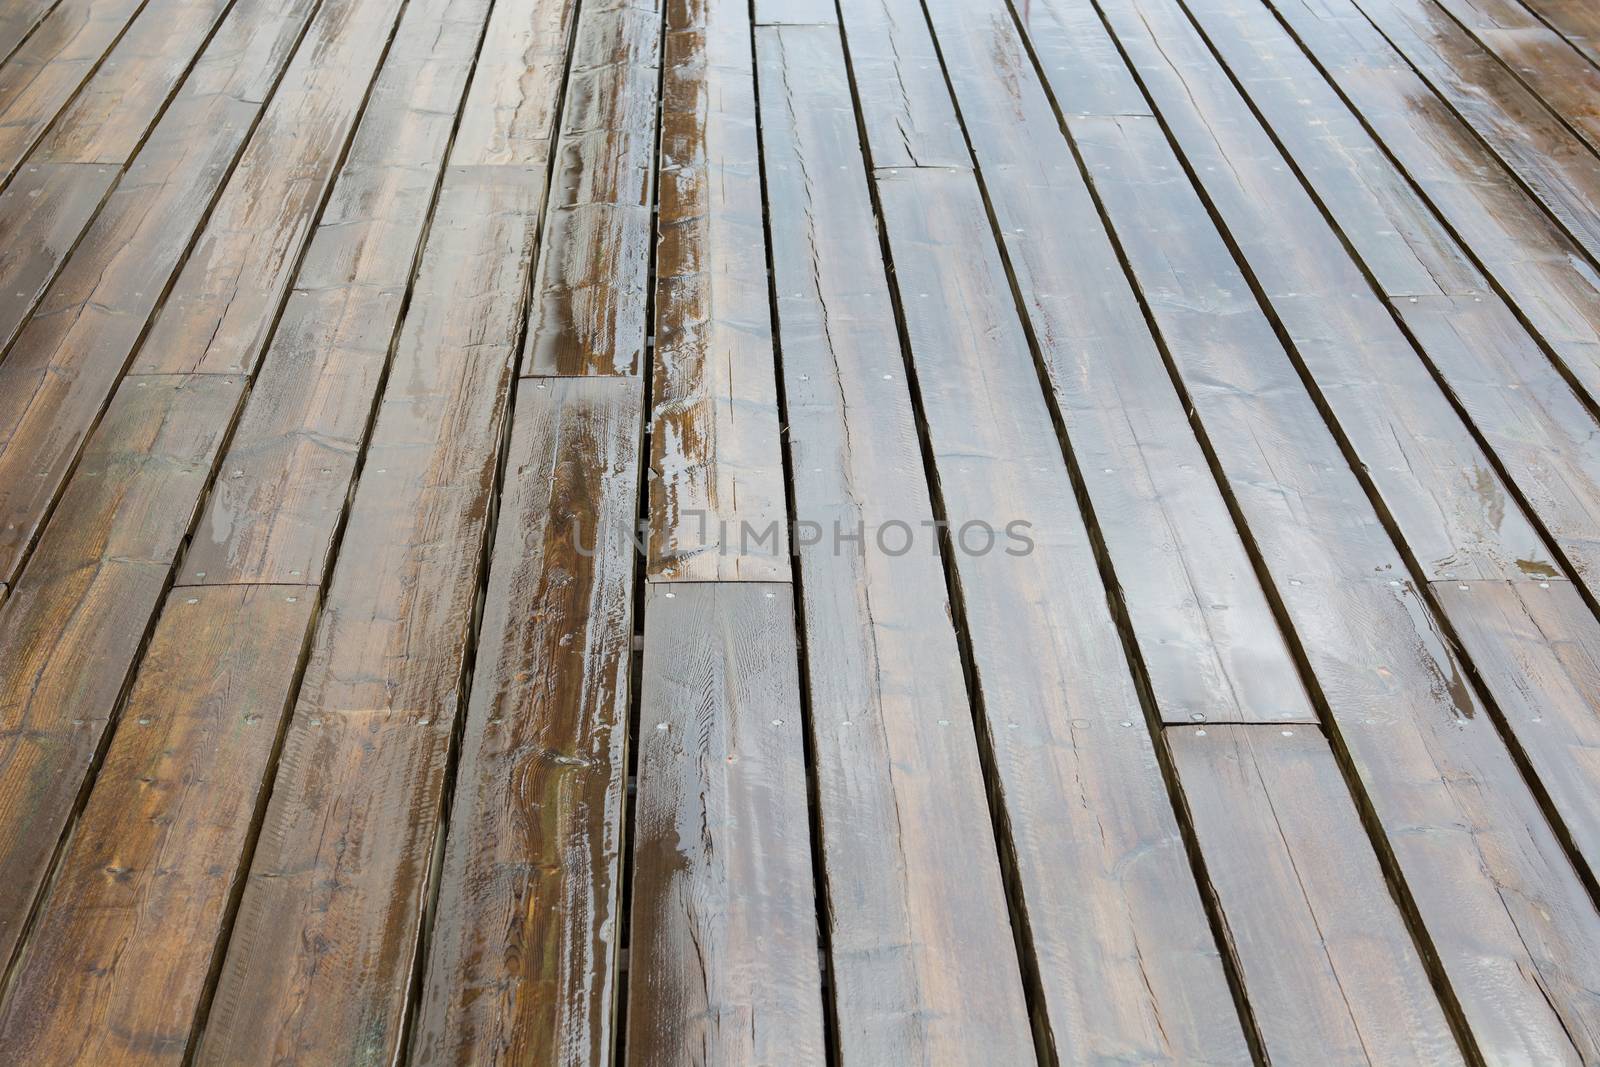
<point x="830" y="531"/>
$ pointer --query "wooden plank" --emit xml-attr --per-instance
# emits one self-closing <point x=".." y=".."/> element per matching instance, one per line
<point x="1574" y="20"/>
<point x="1206" y="634"/>
<point x="1551" y="162"/>
<point x="905" y="104"/>
<point x="1076" y="772"/>
<point x="42" y="213"/>
<point x="796" y="13"/>
<point x="18" y="20"/>
<point x="524" y="949"/>
<point x="1505" y="914"/>
<point x="592" y="284"/>
<point x="73" y="626"/>
<point x="890" y="715"/>
<point x="120" y="952"/>
<point x="1326" y="960"/>
<point x="221" y="309"/>
<point x="62" y="52"/>
<point x="370" y="741"/>
<point x="274" y="513"/>
<point x="717" y="507"/>
<point x="724" y="947"/>
<point x="70" y="354"/>
<point x="1542" y="271"/>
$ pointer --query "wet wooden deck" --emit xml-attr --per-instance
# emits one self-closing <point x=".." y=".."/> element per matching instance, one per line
<point x="783" y="532"/>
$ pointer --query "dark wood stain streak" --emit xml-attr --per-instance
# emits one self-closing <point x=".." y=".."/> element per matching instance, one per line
<point x="1514" y="929"/>
<point x="70" y="354"/>
<point x="285" y="481"/>
<point x="220" y="311"/>
<point x="525" y="949"/>
<point x="923" y="966"/>
<point x="42" y="214"/>
<point x="326" y="940"/>
<point x="120" y="952"/>
<point x="724" y="949"/>
<point x="1327" y="963"/>
<point x="1209" y="642"/>
<point x="716" y="468"/>
<point x="589" y="314"/>
<point x="73" y="626"/>
<point x="1103" y="874"/>
<point x="905" y="105"/>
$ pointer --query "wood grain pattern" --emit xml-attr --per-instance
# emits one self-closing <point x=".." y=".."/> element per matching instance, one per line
<point x="923" y="965"/>
<point x="328" y="930"/>
<point x="120" y="952"/>
<point x="1574" y="20"/>
<point x="589" y="314"/>
<point x="905" y="104"/>
<point x="1100" y="863"/>
<point x="66" y="361"/>
<point x="1210" y="645"/>
<point x="42" y="213"/>
<point x="524" y="962"/>
<point x="716" y="467"/>
<point x="1328" y="965"/>
<point x="724" y="948"/>
<point x="220" y="311"/>
<point x="18" y="20"/>
<point x="73" y="626"/>
<point x="273" y="514"/>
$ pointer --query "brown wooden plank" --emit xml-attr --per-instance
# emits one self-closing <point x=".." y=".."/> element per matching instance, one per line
<point x="1574" y="20"/>
<point x="1327" y="963"/>
<point x="371" y="736"/>
<point x="1076" y="771"/>
<point x="221" y="309"/>
<point x="905" y="105"/>
<point x="286" y="478"/>
<point x="1507" y="917"/>
<point x="723" y="957"/>
<point x="1542" y="271"/>
<point x="18" y="19"/>
<point x="69" y="356"/>
<point x="716" y="468"/>
<point x="60" y="54"/>
<point x="73" y="625"/>
<point x="897" y="765"/>
<point x="42" y="213"/>
<point x="524" y="949"/>
<point x="120" y="952"/>
<point x="1554" y="164"/>
<point x="591" y="286"/>
<point x="1209" y="643"/>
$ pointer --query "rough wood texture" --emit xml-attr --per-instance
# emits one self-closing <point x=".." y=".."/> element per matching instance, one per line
<point x="18" y="20"/>
<point x="42" y="213"/>
<point x="591" y="285"/>
<point x="1062" y="715"/>
<point x="328" y="931"/>
<point x="905" y="104"/>
<point x="897" y="765"/>
<point x="716" y="468"/>
<point x="273" y="514"/>
<point x="724" y="947"/>
<point x="120" y="952"/>
<point x="1575" y="20"/>
<point x="73" y="626"/>
<point x="523" y="966"/>
<point x="1327" y="962"/>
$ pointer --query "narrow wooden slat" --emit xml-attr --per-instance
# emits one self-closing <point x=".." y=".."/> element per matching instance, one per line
<point x="905" y="105"/>
<point x="72" y="627"/>
<point x="1554" y="164"/>
<point x="69" y="356"/>
<point x="1101" y="866"/>
<point x="18" y="20"/>
<point x="524" y="949"/>
<point x="1513" y="929"/>
<point x="923" y="966"/>
<point x="221" y="309"/>
<point x="1575" y="20"/>
<point x="41" y="77"/>
<point x="724" y="948"/>
<point x="1207" y="637"/>
<point x="42" y="213"/>
<point x="1328" y="966"/>
<point x="119" y="955"/>
<point x="591" y="286"/>
<point x="273" y="514"/>
<point x="716" y="468"/>
<point x="796" y="13"/>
